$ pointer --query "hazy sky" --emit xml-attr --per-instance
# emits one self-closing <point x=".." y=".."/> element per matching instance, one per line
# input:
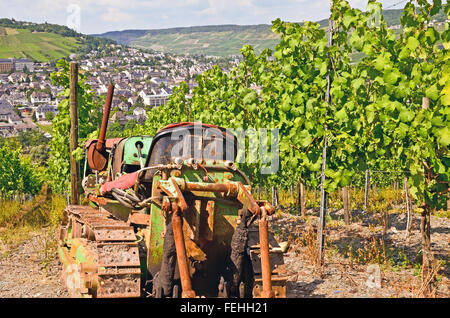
<point x="98" y="16"/>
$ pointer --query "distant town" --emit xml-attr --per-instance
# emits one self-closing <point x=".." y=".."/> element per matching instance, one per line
<point x="143" y="79"/>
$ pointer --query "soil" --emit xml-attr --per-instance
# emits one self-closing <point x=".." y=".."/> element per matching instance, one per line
<point x="27" y="272"/>
<point x="32" y="269"/>
<point x="344" y="276"/>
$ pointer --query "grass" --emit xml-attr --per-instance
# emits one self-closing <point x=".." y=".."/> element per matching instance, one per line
<point x="19" y="219"/>
<point x="41" y="46"/>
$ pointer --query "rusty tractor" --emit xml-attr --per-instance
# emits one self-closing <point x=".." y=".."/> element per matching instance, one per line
<point x="168" y="216"/>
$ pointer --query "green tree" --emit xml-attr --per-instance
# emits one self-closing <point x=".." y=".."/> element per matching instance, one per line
<point x="49" y="116"/>
<point x="139" y="102"/>
<point x="17" y="174"/>
<point x="89" y="116"/>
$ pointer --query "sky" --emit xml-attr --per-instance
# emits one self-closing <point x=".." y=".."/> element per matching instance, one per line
<point x="98" y="16"/>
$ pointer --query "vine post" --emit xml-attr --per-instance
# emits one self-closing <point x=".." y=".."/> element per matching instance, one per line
<point x="323" y="193"/>
<point x="74" y="166"/>
<point x="425" y="229"/>
<point x="346" y="204"/>
<point x="366" y="189"/>
<point x="408" y="208"/>
<point x="301" y="198"/>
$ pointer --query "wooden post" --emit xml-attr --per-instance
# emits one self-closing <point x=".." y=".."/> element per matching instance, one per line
<point x="366" y="190"/>
<point x="323" y="193"/>
<point x="274" y="196"/>
<point x="74" y="165"/>
<point x="277" y="196"/>
<point x="409" y="213"/>
<point x="425" y="229"/>
<point x="427" y="257"/>
<point x="302" y="199"/>
<point x="346" y="203"/>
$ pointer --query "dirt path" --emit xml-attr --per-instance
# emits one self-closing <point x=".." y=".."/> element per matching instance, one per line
<point x="26" y="271"/>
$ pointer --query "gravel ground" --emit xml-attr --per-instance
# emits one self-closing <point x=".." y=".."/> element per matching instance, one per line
<point x="342" y="277"/>
<point x="26" y="271"/>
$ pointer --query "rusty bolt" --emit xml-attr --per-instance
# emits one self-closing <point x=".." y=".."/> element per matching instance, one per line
<point x="176" y="173"/>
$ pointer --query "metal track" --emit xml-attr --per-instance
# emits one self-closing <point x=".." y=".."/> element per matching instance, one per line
<point x="117" y="264"/>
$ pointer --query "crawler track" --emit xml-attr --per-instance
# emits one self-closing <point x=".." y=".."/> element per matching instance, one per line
<point x="103" y="259"/>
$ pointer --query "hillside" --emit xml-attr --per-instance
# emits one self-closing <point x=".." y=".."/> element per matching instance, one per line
<point x="40" y="46"/>
<point x="43" y="42"/>
<point x="220" y="40"/>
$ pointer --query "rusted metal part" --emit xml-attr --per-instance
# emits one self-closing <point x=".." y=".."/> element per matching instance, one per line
<point x="247" y="200"/>
<point x="278" y="287"/>
<point x="139" y="219"/>
<point x="71" y="275"/>
<point x="110" y="234"/>
<point x="102" y="136"/>
<point x="171" y="188"/>
<point x="183" y="266"/>
<point x="208" y="228"/>
<point x="270" y="209"/>
<point x="117" y="254"/>
<point x="265" y="259"/>
<point x="104" y="261"/>
<point x="197" y="219"/>
<point x="97" y="156"/>
<point x="98" y="200"/>
<point x="230" y="189"/>
<point x="180" y="199"/>
<point x="118" y="282"/>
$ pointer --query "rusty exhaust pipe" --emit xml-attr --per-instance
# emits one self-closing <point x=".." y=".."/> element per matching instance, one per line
<point x="265" y="258"/>
<point x="97" y="155"/>
<point x="186" y="285"/>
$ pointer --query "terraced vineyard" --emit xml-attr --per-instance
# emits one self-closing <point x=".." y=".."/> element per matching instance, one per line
<point x="217" y="43"/>
<point x="39" y="46"/>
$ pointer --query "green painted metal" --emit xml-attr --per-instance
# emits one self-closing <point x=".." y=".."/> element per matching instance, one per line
<point x="225" y="215"/>
<point x="130" y="153"/>
<point x="156" y="227"/>
<point x="80" y="256"/>
<point x="117" y="209"/>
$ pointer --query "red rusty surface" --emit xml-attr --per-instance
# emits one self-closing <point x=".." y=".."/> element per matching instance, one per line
<point x="180" y="247"/>
<point x="265" y="258"/>
<point x="97" y="156"/>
